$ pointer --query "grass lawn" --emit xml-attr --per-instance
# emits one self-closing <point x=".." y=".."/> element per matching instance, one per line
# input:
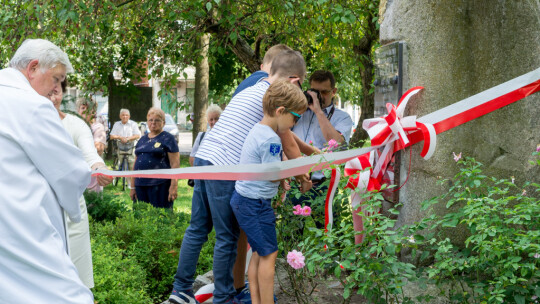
<point x="182" y="202"/>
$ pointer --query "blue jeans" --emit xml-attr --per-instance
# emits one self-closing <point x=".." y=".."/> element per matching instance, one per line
<point x="210" y="206"/>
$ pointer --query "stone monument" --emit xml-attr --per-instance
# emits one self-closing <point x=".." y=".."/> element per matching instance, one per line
<point x="457" y="49"/>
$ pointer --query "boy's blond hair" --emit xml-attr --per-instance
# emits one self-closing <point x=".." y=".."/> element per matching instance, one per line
<point x="273" y="51"/>
<point x="282" y="93"/>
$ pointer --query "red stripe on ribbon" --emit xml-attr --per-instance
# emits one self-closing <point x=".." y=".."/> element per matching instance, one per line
<point x="328" y="200"/>
<point x="478" y="111"/>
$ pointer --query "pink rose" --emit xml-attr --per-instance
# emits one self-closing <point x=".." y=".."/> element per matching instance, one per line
<point x="538" y="148"/>
<point x="303" y="211"/>
<point x="296" y="259"/>
<point x="332" y="144"/>
<point x="306" y="211"/>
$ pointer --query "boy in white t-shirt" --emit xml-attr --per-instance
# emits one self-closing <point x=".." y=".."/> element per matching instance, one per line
<point x="283" y="104"/>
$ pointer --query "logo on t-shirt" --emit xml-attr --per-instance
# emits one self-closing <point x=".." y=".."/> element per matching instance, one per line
<point x="275" y="149"/>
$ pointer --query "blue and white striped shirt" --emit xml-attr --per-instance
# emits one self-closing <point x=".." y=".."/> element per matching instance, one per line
<point x="223" y="144"/>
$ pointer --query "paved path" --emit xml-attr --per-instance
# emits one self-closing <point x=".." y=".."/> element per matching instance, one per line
<point x="184" y="142"/>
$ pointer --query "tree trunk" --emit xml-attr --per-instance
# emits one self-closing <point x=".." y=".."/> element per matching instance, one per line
<point x="241" y="49"/>
<point x="247" y="56"/>
<point x="363" y="50"/>
<point x="201" y="86"/>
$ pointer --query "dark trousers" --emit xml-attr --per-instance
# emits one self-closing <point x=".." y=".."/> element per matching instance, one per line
<point x="157" y="195"/>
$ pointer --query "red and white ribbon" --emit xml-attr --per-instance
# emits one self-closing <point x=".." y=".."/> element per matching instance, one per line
<point x="328" y="202"/>
<point x="442" y="120"/>
<point x="396" y="132"/>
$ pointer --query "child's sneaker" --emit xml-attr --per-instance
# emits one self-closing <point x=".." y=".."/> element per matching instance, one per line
<point x="244" y="297"/>
<point x="186" y="297"/>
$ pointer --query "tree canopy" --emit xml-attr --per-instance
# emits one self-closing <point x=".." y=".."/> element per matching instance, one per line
<point x="104" y="36"/>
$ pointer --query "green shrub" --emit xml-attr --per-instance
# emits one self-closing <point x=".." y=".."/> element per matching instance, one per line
<point x="104" y="206"/>
<point x="500" y="260"/>
<point x="152" y="237"/>
<point x="117" y="278"/>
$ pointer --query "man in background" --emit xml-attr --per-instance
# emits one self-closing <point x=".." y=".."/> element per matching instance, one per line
<point x="321" y="123"/>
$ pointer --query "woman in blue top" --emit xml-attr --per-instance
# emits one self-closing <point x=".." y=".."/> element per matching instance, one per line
<point x="156" y="150"/>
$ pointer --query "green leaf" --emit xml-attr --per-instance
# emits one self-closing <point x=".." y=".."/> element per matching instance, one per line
<point x="346" y="293"/>
<point x="208" y="6"/>
<point x="390" y="249"/>
<point x="233" y="36"/>
<point x="519" y="299"/>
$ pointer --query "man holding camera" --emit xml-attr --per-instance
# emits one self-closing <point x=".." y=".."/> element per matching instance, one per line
<point x="322" y="122"/>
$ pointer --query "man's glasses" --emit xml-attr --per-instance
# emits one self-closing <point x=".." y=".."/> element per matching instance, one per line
<point x="154" y="120"/>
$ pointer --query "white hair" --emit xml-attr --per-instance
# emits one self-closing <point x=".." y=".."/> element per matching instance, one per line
<point x="213" y="108"/>
<point x="124" y="111"/>
<point x="47" y="54"/>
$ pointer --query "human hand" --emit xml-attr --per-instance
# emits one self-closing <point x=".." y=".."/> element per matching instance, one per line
<point x="305" y="182"/>
<point x="124" y="140"/>
<point x="102" y="180"/>
<point x="133" y="194"/>
<point x="285" y="185"/>
<point x="315" y="106"/>
<point x="305" y="186"/>
<point x="173" y="192"/>
<point x="100" y="147"/>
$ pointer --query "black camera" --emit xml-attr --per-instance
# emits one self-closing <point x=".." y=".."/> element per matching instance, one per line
<point x="310" y="99"/>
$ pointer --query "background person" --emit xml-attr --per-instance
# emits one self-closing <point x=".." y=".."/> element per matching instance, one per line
<point x="87" y="107"/>
<point x="127" y="132"/>
<point x="43" y="175"/>
<point x="79" y="233"/>
<point x="212" y="116"/>
<point x="322" y="122"/>
<point x="156" y="150"/>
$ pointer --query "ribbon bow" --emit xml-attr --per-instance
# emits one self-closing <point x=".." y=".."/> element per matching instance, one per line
<point x="361" y="178"/>
<point x="392" y="129"/>
<point x="389" y="131"/>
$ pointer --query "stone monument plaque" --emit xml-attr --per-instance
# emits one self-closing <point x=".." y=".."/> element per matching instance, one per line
<point x="390" y="71"/>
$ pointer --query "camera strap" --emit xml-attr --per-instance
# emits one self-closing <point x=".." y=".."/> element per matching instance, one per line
<point x="331" y="112"/>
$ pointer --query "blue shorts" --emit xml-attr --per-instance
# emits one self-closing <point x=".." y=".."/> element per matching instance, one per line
<point x="256" y="217"/>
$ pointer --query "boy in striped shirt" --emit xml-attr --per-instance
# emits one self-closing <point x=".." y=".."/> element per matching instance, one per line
<point x="210" y="202"/>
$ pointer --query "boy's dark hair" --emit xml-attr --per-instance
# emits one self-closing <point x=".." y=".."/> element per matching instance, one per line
<point x="322" y="76"/>
<point x="288" y="63"/>
<point x="282" y="93"/>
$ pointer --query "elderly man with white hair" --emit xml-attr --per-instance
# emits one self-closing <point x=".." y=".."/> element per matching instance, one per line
<point x="127" y="132"/>
<point x="43" y="175"/>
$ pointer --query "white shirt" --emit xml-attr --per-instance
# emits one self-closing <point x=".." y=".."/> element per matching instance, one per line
<point x="125" y="130"/>
<point x="42" y="172"/>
